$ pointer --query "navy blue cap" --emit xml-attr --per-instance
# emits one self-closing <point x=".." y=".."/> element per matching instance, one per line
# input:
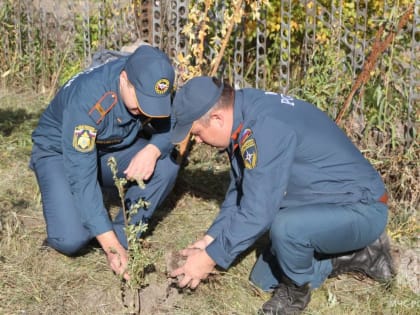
<point x="191" y="102"/>
<point x="150" y="72"/>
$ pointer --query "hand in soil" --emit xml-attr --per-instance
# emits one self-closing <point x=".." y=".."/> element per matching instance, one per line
<point x="197" y="267"/>
<point x="174" y="260"/>
<point x="118" y="262"/>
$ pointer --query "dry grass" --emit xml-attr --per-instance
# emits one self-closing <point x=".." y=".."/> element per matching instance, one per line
<point x="35" y="280"/>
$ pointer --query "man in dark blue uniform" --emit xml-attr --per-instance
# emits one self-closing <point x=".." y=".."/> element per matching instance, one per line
<point x="295" y="175"/>
<point x="99" y="113"/>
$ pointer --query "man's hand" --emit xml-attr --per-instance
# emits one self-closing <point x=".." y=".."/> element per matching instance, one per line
<point x="118" y="261"/>
<point x="143" y="164"/>
<point x="115" y="253"/>
<point x="197" y="267"/>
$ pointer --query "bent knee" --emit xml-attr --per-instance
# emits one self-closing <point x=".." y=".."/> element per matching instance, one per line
<point x="166" y="173"/>
<point x="67" y="246"/>
<point x="169" y="168"/>
<point x="282" y="227"/>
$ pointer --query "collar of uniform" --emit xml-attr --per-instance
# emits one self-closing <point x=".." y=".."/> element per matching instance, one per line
<point x="237" y="119"/>
<point x="238" y="116"/>
<point x="123" y="116"/>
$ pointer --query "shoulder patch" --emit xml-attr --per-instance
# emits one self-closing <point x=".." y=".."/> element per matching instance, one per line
<point x="84" y="138"/>
<point x="248" y="148"/>
<point x="103" y="106"/>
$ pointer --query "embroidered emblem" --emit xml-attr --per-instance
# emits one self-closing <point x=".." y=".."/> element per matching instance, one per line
<point x="245" y="135"/>
<point x="248" y="149"/>
<point x="84" y="138"/>
<point x="162" y="86"/>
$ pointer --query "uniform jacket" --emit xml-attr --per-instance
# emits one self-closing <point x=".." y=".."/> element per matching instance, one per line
<point x="284" y="153"/>
<point x="86" y="118"/>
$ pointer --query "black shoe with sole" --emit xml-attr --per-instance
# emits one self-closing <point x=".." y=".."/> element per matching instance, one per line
<point x="288" y="299"/>
<point x="374" y="261"/>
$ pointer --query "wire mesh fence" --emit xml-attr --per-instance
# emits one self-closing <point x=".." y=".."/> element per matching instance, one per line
<point x="44" y="41"/>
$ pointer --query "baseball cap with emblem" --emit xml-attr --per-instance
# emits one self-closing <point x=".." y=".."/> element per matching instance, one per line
<point x="150" y="72"/>
<point x="191" y="102"/>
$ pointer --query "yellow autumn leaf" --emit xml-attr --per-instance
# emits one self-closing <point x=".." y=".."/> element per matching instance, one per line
<point x="181" y="58"/>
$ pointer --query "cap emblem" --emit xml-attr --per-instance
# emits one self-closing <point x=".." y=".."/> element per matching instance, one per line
<point x="162" y="86"/>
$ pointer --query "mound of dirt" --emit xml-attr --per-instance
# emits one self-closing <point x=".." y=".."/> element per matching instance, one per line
<point x="157" y="297"/>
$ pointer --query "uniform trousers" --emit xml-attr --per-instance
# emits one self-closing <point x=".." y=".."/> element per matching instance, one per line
<point x="303" y="240"/>
<point x="65" y="230"/>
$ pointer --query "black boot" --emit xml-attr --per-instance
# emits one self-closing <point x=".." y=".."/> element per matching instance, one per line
<point x="374" y="261"/>
<point x="287" y="299"/>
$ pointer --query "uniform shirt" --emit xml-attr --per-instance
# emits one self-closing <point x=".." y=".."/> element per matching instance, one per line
<point x="76" y="127"/>
<point x="284" y="153"/>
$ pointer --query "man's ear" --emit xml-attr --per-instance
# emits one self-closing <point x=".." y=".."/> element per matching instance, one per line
<point x="218" y="117"/>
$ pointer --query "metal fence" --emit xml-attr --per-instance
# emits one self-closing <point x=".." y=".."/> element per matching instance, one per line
<point x="82" y="26"/>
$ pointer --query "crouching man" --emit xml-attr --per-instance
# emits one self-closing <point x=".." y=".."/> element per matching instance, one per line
<point x="99" y="113"/>
<point x="295" y="175"/>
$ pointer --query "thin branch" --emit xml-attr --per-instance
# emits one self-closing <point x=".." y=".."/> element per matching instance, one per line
<point x="225" y="40"/>
<point x="377" y="49"/>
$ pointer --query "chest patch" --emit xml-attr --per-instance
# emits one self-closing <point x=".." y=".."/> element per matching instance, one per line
<point x="248" y="149"/>
<point x="84" y="138"/>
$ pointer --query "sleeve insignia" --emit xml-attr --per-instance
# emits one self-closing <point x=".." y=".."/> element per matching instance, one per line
<point x="248" y="148"/>
<point x="84" y="138"/>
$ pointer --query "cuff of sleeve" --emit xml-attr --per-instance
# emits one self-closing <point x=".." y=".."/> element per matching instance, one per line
<point x="213" y="231"/>
<point x="99" y="225"/>
<point x="216" y="251"/>
<point x="162" y="145"/>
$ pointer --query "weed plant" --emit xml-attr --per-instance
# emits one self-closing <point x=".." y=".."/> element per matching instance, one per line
<point x="138" y="260"/>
